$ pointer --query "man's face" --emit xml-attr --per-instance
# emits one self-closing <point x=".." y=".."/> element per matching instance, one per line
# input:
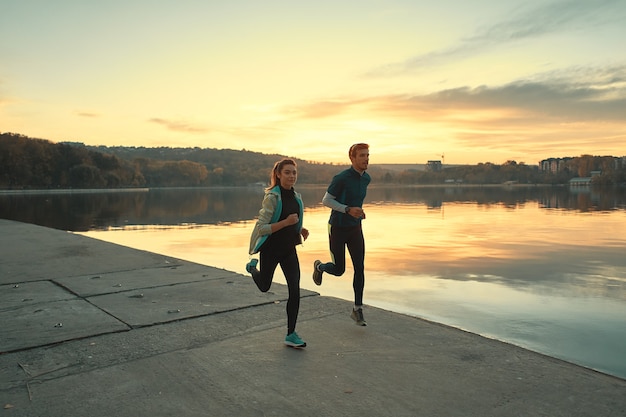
<point x="361" y="160"/>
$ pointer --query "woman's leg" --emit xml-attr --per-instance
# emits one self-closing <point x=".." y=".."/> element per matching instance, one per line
<point x="263" y="277"/>
<point x="291" y="268"/>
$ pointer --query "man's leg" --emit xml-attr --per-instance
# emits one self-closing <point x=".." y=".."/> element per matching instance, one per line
<point x="337" y="242"/>
<point x="356" y="247"/>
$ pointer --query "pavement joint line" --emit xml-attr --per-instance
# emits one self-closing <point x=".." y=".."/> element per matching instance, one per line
<point x="48" y="375"/>
<point x="64" y="288"/>
<point x="60" y="342"/>
<point x="215" y="313"/>
<point x="143" y="326"/>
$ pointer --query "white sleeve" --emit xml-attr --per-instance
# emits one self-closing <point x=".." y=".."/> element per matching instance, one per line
<point x="330" y="201"/>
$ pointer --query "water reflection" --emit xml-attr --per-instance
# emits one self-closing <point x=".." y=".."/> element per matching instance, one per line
<point x="82" y="212"/>
<point x="88" y="211"/>
<point x="528" y="248"/>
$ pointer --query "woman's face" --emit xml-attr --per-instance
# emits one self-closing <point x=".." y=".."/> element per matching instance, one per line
<point x="288" y="176"/>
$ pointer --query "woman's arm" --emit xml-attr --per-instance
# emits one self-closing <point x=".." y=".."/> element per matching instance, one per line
<point x="267" y="212"/>
<point x="291" y="219"/>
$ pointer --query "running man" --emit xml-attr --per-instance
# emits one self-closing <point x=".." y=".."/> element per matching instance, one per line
<point x="345" y="196"/>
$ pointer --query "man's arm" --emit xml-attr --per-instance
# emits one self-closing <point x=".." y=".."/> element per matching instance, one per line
<point x="330" y="201"/>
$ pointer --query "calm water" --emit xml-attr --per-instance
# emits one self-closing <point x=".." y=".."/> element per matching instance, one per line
<point x="542" y="268"/>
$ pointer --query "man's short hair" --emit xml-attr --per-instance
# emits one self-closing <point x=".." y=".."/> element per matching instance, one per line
<point x="354" y="149"/>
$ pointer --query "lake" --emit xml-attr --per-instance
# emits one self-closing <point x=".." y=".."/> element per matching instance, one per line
<point x="538" y="267"/>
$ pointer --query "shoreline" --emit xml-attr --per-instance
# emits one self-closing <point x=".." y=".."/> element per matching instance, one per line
<point x="221" y="187"/>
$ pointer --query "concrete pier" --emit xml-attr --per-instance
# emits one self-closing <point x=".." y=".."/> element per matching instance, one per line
<point x="93" y="329"/>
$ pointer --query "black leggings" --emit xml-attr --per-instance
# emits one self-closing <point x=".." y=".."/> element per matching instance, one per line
<point x="352" y="237"/>
<point x="291" y="268"/>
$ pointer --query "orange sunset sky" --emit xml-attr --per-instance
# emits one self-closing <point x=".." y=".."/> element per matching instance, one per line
<point x="478" y="81"/>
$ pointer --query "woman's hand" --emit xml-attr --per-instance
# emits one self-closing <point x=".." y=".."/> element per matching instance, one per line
<point x="305" y="233"/>
<point x="291" y="219"/>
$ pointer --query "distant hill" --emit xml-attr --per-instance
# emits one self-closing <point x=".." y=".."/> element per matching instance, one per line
<point x="28" y="163"/>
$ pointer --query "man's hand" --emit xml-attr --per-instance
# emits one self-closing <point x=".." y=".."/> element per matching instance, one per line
<point x="357" y="212"/>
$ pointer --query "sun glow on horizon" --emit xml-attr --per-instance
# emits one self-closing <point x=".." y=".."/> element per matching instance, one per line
<point x="479" y="84"/>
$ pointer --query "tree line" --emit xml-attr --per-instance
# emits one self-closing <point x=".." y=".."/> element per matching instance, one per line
<point x="611" y="171"/>
<point x="31" y="163"/>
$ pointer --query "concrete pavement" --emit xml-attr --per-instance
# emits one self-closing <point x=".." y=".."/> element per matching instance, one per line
<point x="95" y="329"/>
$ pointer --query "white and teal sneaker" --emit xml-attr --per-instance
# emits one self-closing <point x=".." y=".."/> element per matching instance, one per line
<point x="251" y="265"/>
<point x="293" y="340"/>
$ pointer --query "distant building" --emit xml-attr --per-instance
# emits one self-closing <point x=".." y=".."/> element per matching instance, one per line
<point x="583" y="181"/>
<point x="433" y="166"/>
<point x="554" y="165"/>
<point x="580" y="182"/>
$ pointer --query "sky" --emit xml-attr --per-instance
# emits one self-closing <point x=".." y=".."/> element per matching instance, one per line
<point x="460" y="81"/>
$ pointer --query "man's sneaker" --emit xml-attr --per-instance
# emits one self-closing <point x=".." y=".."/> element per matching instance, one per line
<point x="357" y="316"/>
<point x="317" y="273"/>
<point x="293" y="340"/>
<point x="251" y="265"/>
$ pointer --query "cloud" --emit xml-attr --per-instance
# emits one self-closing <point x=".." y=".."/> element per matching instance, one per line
<point x="577" y="94"/>
<point x="87" y="114"/>
<point x="556" y="113"/>
<point x="177" y="126"/>
<point x="550" y="18"/>
<point x="572" y="15"/>
<point x="325" y="108"/>
<point x="581" y="95"/>
<point x="552" y="113"/>
<point x="559" y="101"/>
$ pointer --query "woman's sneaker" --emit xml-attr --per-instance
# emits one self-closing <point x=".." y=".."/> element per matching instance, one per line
<point x="293" y="340"/>
<point x="251" y="265"/>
